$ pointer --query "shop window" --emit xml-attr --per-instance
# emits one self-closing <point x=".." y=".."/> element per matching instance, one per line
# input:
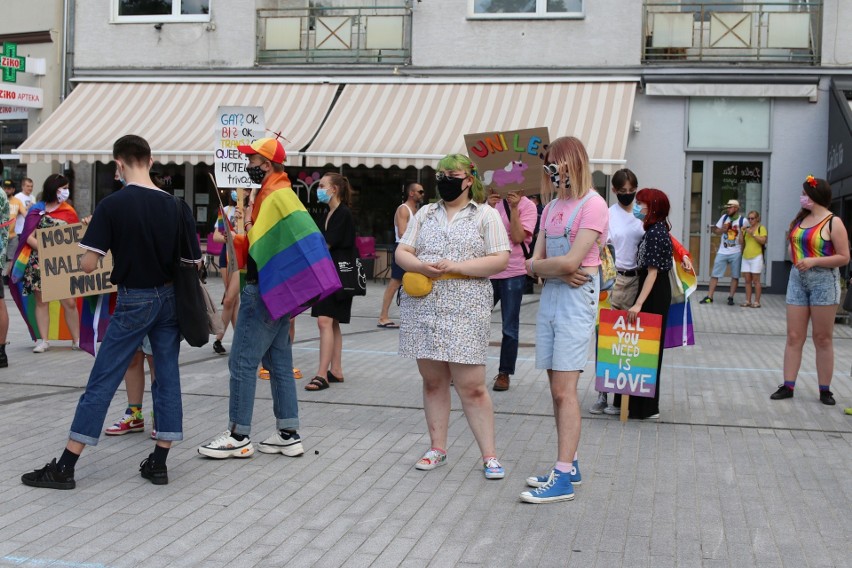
<point x="515" y="9"/>
<point x="142" y="11"/>
<point x="728" y="123"/>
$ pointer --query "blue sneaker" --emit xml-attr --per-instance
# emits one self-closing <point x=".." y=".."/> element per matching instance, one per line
<point x="558" y="488"/>
<point x="574" y="474"/>
<point x="493" y="469"/>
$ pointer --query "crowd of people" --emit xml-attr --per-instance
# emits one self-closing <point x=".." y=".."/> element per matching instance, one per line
<point x="454" y="260"/>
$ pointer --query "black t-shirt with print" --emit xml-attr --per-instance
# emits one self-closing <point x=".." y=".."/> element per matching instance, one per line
<point x="140" y="226"/>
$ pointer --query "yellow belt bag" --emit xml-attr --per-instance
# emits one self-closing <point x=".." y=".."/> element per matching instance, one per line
<point x="418" y="285"/>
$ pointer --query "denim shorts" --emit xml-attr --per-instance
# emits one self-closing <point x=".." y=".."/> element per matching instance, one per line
<point x="815" y="287"/>
<point x="565" y="324"/>
<point x="722" y="260"/>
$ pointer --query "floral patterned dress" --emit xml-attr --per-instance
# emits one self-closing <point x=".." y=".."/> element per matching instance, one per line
<point x="32" y="272"/>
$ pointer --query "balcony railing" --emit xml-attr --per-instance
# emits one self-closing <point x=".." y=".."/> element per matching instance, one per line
<point x="722" y="31"/>
<point x="365" y="35"/>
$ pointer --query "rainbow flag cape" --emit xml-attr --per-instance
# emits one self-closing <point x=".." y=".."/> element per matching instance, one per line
<point x="294" y="266"/>
<point x="94" y="311"/>
<point x="679" y="327"/>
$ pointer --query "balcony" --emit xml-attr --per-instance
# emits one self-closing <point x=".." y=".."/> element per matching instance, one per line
<point x="729" y="31"/>
<point x="376" y="35"/>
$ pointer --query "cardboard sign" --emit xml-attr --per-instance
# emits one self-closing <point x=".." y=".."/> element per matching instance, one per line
<point x="235" y="126"/>
<point x="62" y="275"/>
<point x="628" y="353"/>
<point x="510" y="160"/>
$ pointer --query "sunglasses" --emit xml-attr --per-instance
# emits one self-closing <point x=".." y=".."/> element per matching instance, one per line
<point x="551" y="169"/>
<point x="752" y="218"/>
<point x="421" y="192"/>
<point x="447" y="175"/>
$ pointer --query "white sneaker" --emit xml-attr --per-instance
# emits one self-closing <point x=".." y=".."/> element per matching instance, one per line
<point x="224" y="446"/>
<point x="599" y="405"/>
<point x="612" y="410"/>
<point x="276" y="443"/>
<point x="41" y="346"/>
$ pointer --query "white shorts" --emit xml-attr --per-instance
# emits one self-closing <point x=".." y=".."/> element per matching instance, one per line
<point x="753" y="265"/>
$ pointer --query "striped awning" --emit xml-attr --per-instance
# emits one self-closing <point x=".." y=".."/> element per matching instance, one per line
<point x="176" y="118"/>
<point x="415" y="124"/>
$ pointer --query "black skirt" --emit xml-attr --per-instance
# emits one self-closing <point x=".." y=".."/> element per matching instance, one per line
<point x="338" y="306"/>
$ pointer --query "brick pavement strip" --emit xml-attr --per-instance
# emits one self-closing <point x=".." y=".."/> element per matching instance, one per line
<point x="725" y="478"/>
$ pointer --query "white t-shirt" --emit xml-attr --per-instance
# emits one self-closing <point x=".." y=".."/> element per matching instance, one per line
<point x="396" y="234"/>
<point x="27" y="200"/>
<point x="625" y="232"/>
<point x="730" y="241"/>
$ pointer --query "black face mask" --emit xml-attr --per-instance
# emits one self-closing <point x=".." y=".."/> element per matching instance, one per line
<point x="256" y="174"/>
<point x="450" y="188"/>
<point x="625" y="198"/>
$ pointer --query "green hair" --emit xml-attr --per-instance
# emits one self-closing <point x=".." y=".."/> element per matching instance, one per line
<point x="453" y="162"/>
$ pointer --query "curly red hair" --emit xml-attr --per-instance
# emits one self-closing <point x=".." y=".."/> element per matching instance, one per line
<point x="658" y="206"/>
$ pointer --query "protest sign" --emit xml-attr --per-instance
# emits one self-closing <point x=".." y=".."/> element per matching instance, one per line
<point x="628" y="353"/>
<point x="510" y="160"/>
<point x="235" y="126"/>
<point x="60" y="260"/>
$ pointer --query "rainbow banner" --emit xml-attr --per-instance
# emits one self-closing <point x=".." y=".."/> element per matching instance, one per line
<point x="294" y="266"/>
<point x="679" y="327"/>
<point x="95" y="315"/>
<point x="628" y="353"/>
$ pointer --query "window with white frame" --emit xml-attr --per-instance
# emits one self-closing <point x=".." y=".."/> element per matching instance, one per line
<point x="514" y="9"/>
<point x="142" y="11"/>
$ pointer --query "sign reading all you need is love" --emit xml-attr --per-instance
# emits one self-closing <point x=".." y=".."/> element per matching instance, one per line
<point x="628" y="353"/>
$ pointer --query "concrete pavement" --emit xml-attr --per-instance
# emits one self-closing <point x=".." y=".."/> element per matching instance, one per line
<point x="725" y="478"/>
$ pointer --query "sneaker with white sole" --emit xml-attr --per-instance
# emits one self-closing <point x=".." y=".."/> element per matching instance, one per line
<point x="41" y="346"/>
<point x="282" y="443"/>
<point x="431" y="459"/>
<point x="224" y="446"/>
<point x="541" y="480"/>
<point x="557" y="488"/>
<point x="129" y="423"/>
<point x="599" y="405"/>
<point x="493" y="469"/>
<point x="612" y="410"/>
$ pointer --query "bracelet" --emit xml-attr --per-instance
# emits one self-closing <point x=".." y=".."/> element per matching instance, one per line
<point x="532" y="262"/>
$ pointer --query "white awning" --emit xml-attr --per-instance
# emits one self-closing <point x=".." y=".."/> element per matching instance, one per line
<point x="764" y="90"/>
<point x="177" y="119"/>
<point x="415" y="124"/>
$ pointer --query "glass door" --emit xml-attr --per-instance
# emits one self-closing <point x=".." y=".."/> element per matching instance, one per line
<point x="713" y="181"/>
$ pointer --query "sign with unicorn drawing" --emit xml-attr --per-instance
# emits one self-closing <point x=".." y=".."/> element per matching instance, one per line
<point x="509" y="160"/>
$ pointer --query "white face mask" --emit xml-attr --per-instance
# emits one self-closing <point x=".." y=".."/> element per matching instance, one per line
<point x="62" y="194"/>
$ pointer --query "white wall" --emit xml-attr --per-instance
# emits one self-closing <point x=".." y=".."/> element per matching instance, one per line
<point x="227" y="41"/>
<point x="836" y="23"/>
<point x="610" y="34"/>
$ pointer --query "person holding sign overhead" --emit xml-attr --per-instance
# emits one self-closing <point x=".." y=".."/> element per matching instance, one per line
<point x="567" y="255"/>
<point x="51" y="211"/>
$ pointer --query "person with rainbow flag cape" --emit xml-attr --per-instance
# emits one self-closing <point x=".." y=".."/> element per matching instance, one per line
<point x="288" y="269"/>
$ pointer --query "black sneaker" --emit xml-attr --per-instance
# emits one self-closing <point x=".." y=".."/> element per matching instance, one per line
<point x="218" y="347"/>
<point x="826" y="398"/>
<point x="157" y="473"/>
<point x="783" y="392"/>
<point x="706" y="300"/>
<point x="730" y="300"/>
<point x="50" y="477"/>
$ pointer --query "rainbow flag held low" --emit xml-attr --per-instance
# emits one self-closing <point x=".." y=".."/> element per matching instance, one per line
<point x="627" y="354"/>
<point x="95" y="315"/>
<point x="294" y="266"/>
<point x="679" y="328"/>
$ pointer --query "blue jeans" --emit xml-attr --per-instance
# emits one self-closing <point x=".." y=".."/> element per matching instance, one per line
<point x="259" y="337"/>
<point x="509" y="292"/>
<point x="138" y="312"/>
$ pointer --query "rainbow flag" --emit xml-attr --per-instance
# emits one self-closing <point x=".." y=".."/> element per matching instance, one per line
<point x="294" y="266"/>
<point x="95" y="315"/>
<point x="679" y="327"/>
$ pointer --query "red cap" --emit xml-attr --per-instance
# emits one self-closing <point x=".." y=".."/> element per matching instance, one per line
<point x="269" y="148"/>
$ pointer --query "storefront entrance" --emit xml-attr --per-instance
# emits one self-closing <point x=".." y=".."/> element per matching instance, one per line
<point x="713" y="180"/>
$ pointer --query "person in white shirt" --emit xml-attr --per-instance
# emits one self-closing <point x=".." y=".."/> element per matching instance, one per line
<point x="404" y="213"/>
<point x="625" y="232"/>
<point x="730" y="225"/>
<point x="26" y="197"/>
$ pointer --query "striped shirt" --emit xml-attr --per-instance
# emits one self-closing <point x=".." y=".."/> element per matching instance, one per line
<point x="487" y="219"/>
<point x="808" y="242"/>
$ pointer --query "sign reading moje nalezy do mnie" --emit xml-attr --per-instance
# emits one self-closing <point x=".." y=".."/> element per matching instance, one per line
<point x="60" y="262"/>
<point x="628" y="353"/>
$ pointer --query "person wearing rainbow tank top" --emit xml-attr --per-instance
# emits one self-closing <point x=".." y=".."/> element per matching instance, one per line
<point x="819" y="246"/>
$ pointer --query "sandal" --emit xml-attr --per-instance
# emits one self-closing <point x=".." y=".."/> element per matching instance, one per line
<point x="745" y="305"/>
<point x="332" y="379"/>
<point x="755" y="305"/>
<point x="317" y="384"/>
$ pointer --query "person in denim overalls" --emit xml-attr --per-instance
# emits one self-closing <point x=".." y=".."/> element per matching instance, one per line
<point x="568" y="257"/>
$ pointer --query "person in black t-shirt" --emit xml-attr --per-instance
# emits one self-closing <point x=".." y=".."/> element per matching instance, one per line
<point x="139" y="224"/>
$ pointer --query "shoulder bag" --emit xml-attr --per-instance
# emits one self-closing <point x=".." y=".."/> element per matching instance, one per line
<point x="190" y="305"/>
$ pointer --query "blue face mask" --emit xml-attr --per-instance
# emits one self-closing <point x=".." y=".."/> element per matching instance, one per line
<point x="637" y="212"/>
<point x="234" y="196"/>
<point x="323" y="196"/>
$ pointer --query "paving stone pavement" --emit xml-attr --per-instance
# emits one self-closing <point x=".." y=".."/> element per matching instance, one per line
<point x="725" y="478"/>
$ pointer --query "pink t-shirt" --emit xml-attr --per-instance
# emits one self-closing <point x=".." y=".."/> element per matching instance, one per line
<point x="594" y="216"/>
<point x="528" y="214"/>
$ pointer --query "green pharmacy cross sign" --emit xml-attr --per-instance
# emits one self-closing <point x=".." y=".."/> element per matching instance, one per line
<point x="11" y="63"/>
